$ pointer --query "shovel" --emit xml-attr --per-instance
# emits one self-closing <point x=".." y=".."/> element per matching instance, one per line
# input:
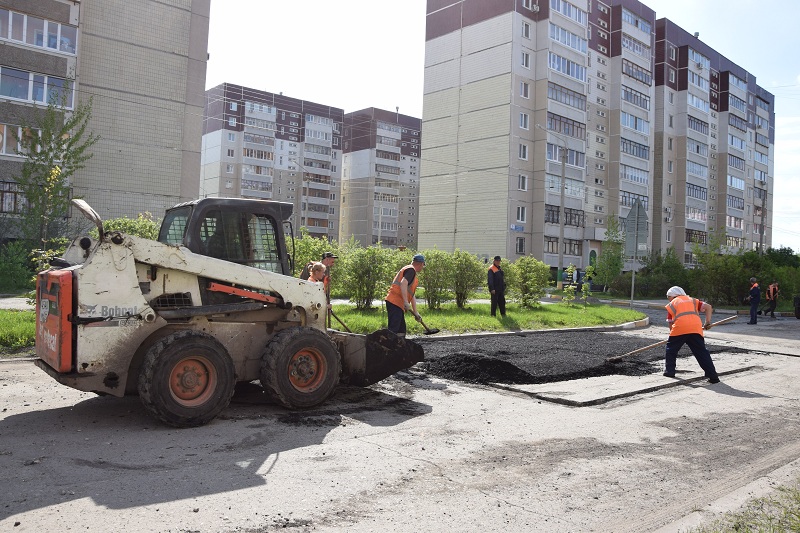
<point x="428" y="331"/>
<point x="619" y="358"/>
<point x="339" y="320"/>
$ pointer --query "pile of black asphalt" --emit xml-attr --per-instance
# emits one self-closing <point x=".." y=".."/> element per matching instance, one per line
<point x="542" y="357"/>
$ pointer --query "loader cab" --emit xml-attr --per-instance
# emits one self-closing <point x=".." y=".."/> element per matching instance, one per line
<point x="247" y="232"/>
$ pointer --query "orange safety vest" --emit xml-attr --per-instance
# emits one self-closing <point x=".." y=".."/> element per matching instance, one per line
<point x="685" y="313"/>
<point x="772" y="291"/>
<point x="395" y="295"/>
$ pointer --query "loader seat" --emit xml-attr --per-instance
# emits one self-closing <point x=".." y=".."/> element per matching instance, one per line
<point x="215" y="246"/>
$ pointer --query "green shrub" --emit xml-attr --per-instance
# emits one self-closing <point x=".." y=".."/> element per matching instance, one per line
<point x="469" y="274"/>
<point x="531" y="277"/>
<point x="16" y="272"/>
<point x="437" y="277"/>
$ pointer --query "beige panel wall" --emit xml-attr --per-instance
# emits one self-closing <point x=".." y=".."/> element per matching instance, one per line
<point x="145" y="67"/>
<point x="486" y="64"/>
<point x="487" y="92"/>
<point x="488" y="34"/>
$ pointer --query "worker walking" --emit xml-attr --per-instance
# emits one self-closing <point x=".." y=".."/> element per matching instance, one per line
<point x="772" y="299"/>
<point x="686" y="327"/>
<point x="755" y="299"/>
<point x="497" y="287"/>
<point x="400" y="297"/>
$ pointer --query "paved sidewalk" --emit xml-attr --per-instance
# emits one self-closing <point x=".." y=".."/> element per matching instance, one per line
<point x="15" y="302"/>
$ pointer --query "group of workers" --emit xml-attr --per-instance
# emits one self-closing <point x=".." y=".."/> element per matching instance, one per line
<point x="683" y="311"/>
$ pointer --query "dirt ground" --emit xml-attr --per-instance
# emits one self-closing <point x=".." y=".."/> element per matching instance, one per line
<point x="441" y="447"/>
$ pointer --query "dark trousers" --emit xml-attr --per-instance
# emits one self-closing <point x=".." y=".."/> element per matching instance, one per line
<point x="754" y="311"/>
<point x="771" y="305"/>
<point x="397" y="318"/>
<point x="499" y="300"/>
<point x="697" y="345"/>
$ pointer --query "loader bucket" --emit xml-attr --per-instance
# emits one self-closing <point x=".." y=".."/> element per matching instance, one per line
<point x="367" y="359"/>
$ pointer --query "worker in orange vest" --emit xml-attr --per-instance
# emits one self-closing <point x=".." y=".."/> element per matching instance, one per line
<point x="772" y="299"/>
<point x="686" y="327"/>
<point x="400" y="297"/>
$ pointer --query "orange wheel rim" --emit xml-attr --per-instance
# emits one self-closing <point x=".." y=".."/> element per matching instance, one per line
<point x="192" y="381"/>
<point x="307" y="369"/>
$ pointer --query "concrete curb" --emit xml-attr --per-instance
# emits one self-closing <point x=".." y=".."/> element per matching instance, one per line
<point x="643" y="323"/>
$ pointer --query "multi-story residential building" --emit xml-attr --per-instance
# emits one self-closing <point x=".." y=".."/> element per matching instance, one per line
<point x="258" y="144"/>
<point x="380" y="178"/>
<point x="544" y="118"/>
<point x="144" y="68"/>
<point x="714" y="148"/>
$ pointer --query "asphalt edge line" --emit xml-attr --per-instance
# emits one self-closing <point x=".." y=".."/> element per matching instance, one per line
<point x="606" y="399"/>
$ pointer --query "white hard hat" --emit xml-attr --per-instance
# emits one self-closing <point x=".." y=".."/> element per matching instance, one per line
<point x="675" y="291"/>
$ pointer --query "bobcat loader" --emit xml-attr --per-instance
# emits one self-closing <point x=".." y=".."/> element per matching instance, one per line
<point x="211" y="303"/>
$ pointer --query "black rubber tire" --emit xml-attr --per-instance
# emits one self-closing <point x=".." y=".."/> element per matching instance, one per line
<point x="186" y="399"/>
<point x="300" y="368"/>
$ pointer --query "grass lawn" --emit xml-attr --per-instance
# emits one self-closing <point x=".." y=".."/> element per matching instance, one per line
<point x="775" y="513"/>
<point x="17" y="329"/>
<point x="476" y="317"/>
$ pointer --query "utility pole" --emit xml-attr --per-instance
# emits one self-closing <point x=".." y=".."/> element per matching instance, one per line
<point x="763" y="216"/>
<point x="562" y="212"/>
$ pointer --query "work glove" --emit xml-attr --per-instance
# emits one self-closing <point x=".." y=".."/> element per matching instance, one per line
<point x="707" y="326"/>
<point x="407" y="306"/>
<point x="417" y="317"/>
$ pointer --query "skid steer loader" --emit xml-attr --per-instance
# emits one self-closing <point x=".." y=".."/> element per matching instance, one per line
<point x="211" y="303"/>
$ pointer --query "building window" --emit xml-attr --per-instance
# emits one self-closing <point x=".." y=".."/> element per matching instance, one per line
<point x="522" y="182"/>
<point x="234" y="106"/>
<point x="232" y="137"/>
<point x="669" y="235"/>
<point x="520" y="246"/>
<point x="521" y="214"/>
<point x="229" y="169"/>
<point x="551" y="214"/>
<point x="526" y="60"/>
<point x="526" y="29"/>
<point x="523" y="121"/>
<point x="232" y="121"/>
<point x="230" y="152"/>
<point x="524" y="90"/>
<point x="551" y="245"/>
<point x="523" y="152"/>
<point x="669" y="167"/>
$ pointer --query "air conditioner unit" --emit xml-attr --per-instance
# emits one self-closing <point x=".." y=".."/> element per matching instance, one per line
<point x="535" y="8"/>
<point x="667" y="219"/>
<point x="700" y="66"/>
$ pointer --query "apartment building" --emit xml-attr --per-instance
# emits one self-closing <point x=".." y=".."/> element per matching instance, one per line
<point x="714" y="148"/>
<point x="262" y="145"/>
<point x="543" y="118"/>
<point x="380" y="178"/>
<point x="144" y="66"/>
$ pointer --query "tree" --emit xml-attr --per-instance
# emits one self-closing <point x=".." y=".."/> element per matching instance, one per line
<point x="437" y="277"/>
<point x="468" y="275"/>
<point x="55" y="147"/>
<point x="531" y="277"/>
<point x="308" y="248"/>
<point x="366" y="274"/>
<point x="611" y="260"/>
<point x="783" y="257"/>
<point x="144" y="226"/>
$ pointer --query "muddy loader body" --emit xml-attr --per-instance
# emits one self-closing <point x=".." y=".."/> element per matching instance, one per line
<point x="181" y="320"/>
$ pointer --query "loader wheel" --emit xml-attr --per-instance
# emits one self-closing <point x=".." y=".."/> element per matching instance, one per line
<point x="186" y="379"/>
<point x="300" y="367"/>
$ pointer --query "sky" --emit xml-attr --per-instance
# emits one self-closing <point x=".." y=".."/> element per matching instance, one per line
<point x="354" y="54"/>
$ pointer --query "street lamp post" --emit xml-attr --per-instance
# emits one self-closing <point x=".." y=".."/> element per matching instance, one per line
<point x="562" y="215"/>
